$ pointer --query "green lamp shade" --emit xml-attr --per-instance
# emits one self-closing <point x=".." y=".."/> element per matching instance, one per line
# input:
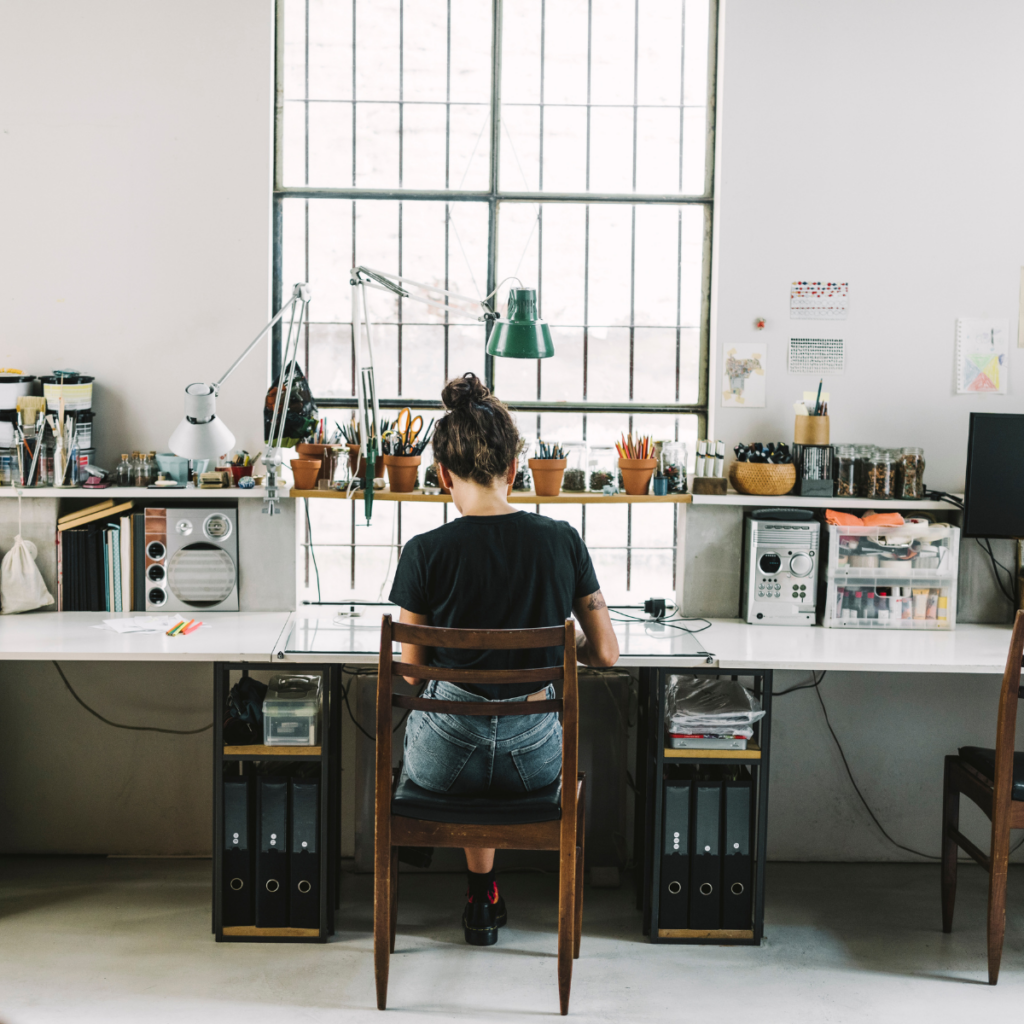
<point x="523" y="335"/>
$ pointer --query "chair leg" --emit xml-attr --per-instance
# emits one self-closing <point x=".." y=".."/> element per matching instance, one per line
<point x="950" y="820"/>
<point x="394" y="896"/>
<point x="566" y="921"/>
<point x="381" y="923"/>
<point x="581" y="834"/>
<point x="997" y="894"/>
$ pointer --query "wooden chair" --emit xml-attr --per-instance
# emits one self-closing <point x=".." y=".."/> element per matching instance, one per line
<point x="550" y="819"/>
<point x="994" y="780"/>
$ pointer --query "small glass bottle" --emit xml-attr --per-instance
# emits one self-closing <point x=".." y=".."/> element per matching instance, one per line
<point x="152" y="468"/>
<point x="123" y="474"/>
<point x="844" y="471"/>
<point x="138" y="470"/>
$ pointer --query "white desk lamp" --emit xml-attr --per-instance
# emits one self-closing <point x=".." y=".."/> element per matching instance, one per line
<point x="201" y="435"/>
<point x="521" y="336"/>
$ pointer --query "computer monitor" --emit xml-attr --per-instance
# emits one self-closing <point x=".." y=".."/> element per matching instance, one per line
<point x="994" y="492"/>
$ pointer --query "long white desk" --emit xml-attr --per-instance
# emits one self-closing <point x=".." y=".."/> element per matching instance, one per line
<point x="315" y="635"/>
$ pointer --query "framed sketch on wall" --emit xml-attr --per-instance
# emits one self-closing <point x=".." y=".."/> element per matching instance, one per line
<point x="743" y="376"/>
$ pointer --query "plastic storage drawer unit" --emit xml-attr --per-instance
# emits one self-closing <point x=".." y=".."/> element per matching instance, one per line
<point x="891" y="577"/>
<point x="291" y="711"/>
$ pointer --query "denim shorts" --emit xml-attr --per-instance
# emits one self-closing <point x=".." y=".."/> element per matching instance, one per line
<point x="476" y="756"/>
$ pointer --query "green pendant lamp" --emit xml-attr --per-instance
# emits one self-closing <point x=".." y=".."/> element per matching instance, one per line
<point x="523" y="335"/>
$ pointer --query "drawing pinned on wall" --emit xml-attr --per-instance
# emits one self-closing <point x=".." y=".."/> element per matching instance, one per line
<point x="743" y="377"/>
<point x="982" y="356"/>
<point x="818" y="300"/>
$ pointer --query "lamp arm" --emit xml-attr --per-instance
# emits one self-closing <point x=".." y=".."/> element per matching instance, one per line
<point x="300" y="293"/>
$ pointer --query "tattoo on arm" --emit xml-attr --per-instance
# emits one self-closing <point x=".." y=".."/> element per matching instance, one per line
<point x="595" y="601"/>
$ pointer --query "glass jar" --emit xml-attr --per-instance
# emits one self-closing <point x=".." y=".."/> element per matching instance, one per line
<point x="844" y="471"/>
<point x="881" y="475"/>
<point x="123" y="475"/>
<point x="673" y="465"/>
<point x="575" y="477"/>
<point x="602" y="467"/>
<point x="862" y="465"/>
<point x="910" y="473"/>
<point x="152" y="468"/>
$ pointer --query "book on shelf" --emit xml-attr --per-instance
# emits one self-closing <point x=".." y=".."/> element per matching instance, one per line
<point x="93" y="572"/>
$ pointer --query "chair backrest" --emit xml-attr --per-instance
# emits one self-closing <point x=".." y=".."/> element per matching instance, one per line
<point x="482" y="640"/>
<point x="1006" y="721"/>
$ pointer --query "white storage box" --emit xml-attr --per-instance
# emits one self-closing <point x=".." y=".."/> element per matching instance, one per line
<point x="891" y="577"/>
<point x="291" y="711"/>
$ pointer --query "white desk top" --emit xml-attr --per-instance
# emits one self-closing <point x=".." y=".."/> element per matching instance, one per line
<point x="72" y="636"/>
<point x="312" y="635"/>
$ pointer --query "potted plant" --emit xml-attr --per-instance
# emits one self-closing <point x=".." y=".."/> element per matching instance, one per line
<point x="547" y="469"/>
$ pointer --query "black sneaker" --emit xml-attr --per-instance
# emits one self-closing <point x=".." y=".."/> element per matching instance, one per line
<point x="482" y="919"/>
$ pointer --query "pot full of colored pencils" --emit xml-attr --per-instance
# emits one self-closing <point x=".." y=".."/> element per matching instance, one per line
<point x="636" y="463"/>
<point x="547" y="469"/>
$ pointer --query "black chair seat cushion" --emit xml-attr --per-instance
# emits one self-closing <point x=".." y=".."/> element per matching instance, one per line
<point x="412" y="801"/>
<point x="983" y="759"/>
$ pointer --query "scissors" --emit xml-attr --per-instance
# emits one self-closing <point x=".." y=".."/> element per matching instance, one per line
<point x="411" y="429"/>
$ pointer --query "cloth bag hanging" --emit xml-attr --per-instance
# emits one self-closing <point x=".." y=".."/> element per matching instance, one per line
<point x="22" y="588"/>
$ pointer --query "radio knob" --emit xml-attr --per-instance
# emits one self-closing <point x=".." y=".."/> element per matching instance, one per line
<point x="801" y="564"/>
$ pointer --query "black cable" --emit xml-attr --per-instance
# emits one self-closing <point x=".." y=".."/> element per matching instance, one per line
<point x="118" y="725"/>
<point x="672" y="623"/>
<point x="986" y="545"/>
<point x="312" y="551"/>
<point x="348" y="707"/>
<point x="801" y="686"/>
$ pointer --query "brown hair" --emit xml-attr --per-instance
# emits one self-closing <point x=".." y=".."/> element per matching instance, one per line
<point x="477" y="438"/>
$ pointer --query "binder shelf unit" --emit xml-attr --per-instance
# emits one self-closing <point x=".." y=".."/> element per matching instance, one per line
<point x="702" y="820"/>
<point x="276" y="825"/>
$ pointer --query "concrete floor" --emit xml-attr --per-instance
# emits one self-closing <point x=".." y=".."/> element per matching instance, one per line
<point x="93" y="940"/>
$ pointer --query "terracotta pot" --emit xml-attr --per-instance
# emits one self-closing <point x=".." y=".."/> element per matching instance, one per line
<point x="636" y="474"/>
<point x="402" y="471"/>
<point x="305" y="472"/>
<point x="547" y="476"/>
<point x="328" y="455"/>
<point x="357" y="465"/>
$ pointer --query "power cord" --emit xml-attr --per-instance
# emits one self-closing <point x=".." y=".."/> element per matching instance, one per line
<point x="312" y="550"/>
<point x="356" y="674"/>
<point x="815" y="686"/>
<point x="119" y="725"/>
<point x="986" y="545"/>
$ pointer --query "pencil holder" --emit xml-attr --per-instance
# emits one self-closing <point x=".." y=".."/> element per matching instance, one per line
<point x="402" y="472"/>
<point x="357" y="463"/>
<point x="326" y="453"/>
<point x="636" y="474"/>
<point x="305" y="472"/>
<point x="810" y="430"/>
<point x="547" y="476"/>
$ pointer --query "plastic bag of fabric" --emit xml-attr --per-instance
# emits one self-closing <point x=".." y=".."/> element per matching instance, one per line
<point x="243" y="724"/>
<point x="702" y="704"/>
<point x="301" y="415"/>
<point x="21" y="583"/>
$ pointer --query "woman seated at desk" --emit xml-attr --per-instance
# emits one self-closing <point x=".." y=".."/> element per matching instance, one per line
<point x="494" y="568"/>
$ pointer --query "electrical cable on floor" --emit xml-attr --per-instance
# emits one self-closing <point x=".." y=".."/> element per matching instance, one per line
<point x="312" y="551"/>
<point x="119" y="725"/>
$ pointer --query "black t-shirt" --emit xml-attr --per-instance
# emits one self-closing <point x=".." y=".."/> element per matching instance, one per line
<point x="516" y="571"/>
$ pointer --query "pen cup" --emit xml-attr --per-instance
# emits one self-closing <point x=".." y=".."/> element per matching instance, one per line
<point x="810" y="430"/>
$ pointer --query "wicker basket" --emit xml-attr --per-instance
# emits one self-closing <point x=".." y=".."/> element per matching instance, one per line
<point x="762" y="478"/>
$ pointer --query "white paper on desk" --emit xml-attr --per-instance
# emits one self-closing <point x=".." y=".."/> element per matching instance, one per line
<point x="141" y="624"/>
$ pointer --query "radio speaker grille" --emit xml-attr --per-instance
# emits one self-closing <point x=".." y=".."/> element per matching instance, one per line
<point x="201" y="576"/>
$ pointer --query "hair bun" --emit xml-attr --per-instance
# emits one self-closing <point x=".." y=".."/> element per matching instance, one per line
<point x="464" y="392"/>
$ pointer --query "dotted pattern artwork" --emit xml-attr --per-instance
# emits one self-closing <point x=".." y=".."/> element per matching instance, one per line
<point x="817" y="355"/>
<point x="818" y="300"/>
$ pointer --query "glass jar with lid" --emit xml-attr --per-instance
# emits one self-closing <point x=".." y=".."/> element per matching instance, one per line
<point x="575" y="476"/>
<point x="910" y="473"/>
<point x="881" y="475"/>
<point x="865" y="453"/>
<point x="672" y="463"/>
<point x="844" y="471"/>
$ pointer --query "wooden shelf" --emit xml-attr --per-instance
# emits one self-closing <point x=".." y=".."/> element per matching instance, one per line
<point x="255" y="751"/>
<point x="250" y="931"/>
<point x="515" y="498"/>
<point x="700" y="933"/>
<point x="753" y="752"/>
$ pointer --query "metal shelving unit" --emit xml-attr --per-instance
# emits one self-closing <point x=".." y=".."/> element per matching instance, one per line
<point x="652" y="758"/>
<point x="328" y="755"/>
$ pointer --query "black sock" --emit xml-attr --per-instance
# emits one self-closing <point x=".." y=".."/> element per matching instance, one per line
<point x="479" y="887"/>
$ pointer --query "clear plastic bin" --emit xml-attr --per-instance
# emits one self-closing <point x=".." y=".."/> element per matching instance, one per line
<point x="891" y="577"/>
<point x="872" y="602"/>
<point x="916" y="550"/>
<point x="291" y="711"/>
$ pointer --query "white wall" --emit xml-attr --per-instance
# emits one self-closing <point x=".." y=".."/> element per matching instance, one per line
<point x="135" y="165"/>
<point x="135" y="171"/>
<point x="876" y="142"/>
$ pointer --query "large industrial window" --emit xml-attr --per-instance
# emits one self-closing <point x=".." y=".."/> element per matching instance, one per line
<point x="566" y="142"/>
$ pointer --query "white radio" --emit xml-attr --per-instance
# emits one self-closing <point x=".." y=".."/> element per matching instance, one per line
<point x="780" y="568"/>
<point x="191" y="559"/>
